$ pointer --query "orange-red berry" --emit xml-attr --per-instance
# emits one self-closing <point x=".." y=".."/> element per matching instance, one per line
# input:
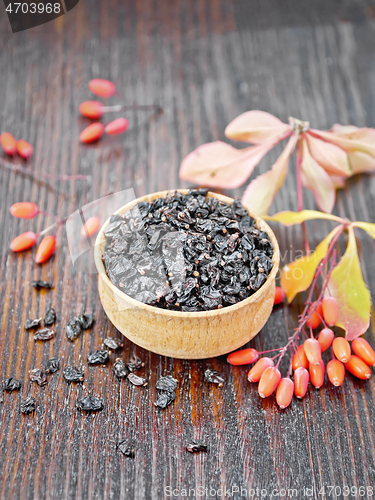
<point x="313" y="351"/>
<point x="269" y="381"/>
<point x="102" y="88"/>
<point x="315" y="318"/>
<point x="91" y="109"/>
<point x="90" y="227"/>
<point x="300" y="359"/>
<point x="330" y="310"/>
<point x="92" y="133"/>
<point x="23" y="242"/>
<point x="364" y="351"/>
<point x="24" y="149"/>
<point x="243" y="357"/>
<point x="279" y="295"/>
<point x="256" y="372"/>
<point x="301" y="381"/>
<point x="45" y="249"/>
<point x="336" y="372"/>
<point x="341" y="348"/>
<point x="118" y="126"/>
<point x="24" y="210"/>
<point x="317" y="374"/>
<point x="8" y="143"/>
<point x="284" y="392"/>
<point x="357" y="367"/>
<point x="325" y="338"/>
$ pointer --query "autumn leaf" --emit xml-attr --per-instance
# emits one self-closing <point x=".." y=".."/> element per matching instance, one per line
<point x="363" y="140"/>
<point x="297" y="276"/>
<point x="288" y="218"/>
<point x="260" y="193"/>
<point x="361" y="162"/>
<point x="257" y="127"/>
<point x="346" y="285"/>
<point x="333" y="159"/>
<point x="366" y="226"/>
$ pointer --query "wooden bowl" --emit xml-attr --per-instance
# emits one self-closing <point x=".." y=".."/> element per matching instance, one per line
<point x="186" y="335"/>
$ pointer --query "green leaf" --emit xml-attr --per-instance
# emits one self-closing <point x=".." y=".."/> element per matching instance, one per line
<point x="288" y="218"/>
<point x="346" y="285"/>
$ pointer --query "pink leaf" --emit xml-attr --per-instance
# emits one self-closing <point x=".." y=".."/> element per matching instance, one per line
<point x="261" y="191"/>
<point x="338" y="181"/>
<point x="333" y="159"/>
<point x="257" y="127"/>
<point x="361" y="162"/>
<point x="316" y="179"/>
<point x="343" y="129"/>
<point x="362" y="140"/>
<point x="218" y="164"/>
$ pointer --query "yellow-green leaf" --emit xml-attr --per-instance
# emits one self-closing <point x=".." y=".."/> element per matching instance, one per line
<point x="346" y="285"/>
<point x="366" y="226"/>
<point x="297" y="276"/>
<point x="288" y="218"/>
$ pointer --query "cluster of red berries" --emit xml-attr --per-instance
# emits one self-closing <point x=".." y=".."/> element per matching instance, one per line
<point x="11" y="146"/>
<point x="46" y="248"/>
<point x="307" y="362"/>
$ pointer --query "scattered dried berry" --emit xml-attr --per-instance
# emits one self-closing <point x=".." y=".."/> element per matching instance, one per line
<point x="196" y="447"/>
<point x="91" y="226"/>
<point x="38" y="284"/>
<point x="136" y="380"/>
<point x="8" y="143"/>
<point x="167" y="383"/>
<point x="126" y="447"/>
<point x="73" y="329"/>
<point x="52" y="365"/>
<point x="214" y="377"/>
<point x="36" y="375"/>
<point x="98" y="358"/>
<point x="113" y="343"/>
<point x="33" y="323"/>
<point x="102" y="88"/>
<point x="28" y="405"/>
<point x="24" y="210"/>
<point x="24" y="149"/>
<point x="73" y="374"/>
<point x="44" y="334"/>
<point x="46" y="249"/>
<point x="50" y="317"/>
<point x="90" y="403"/>
<point x="23" y="242"/>
<point x="86" y="321"/>
<point x="165" y="398"/>
<point x="134" y="364"/>
<point x="11" y="384"/>
<point x="92" y="133"/>
<point x="120" y="368"/>
<point x="118" y="126"/>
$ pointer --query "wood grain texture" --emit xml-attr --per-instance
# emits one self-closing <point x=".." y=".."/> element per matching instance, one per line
<point x="205" y="62"/>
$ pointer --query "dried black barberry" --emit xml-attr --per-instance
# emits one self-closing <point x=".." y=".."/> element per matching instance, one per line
<point x="126" y="447"/>
<point x="86" y="321"/>
<point x="11" y="384"/>
<point x="214" y="377"/>
<point x="120" y="368"/>
<point x="73" y="374"/>
<point x="73" y="329"/>
<point x="90" y="403"/>
<point x="52" y="365"/>
<point x="167" y="383"/>
<point x="113" y="343"/>
<point x="28" y="405"/>
<point x="98" y="358"/>
<point x="50" y="317"/>
<point x="134" y="364"/>
<point x="165" y="398"/>
<point x="36" y="375"/>
<point x="33" y="323"/>
<point x="196" y="446"/>
<point x="136" y="380"/>
<point x="44" y="334"/>
<point x="38" y="284"/>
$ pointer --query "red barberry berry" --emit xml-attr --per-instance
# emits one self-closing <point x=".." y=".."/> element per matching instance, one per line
<point x="92" y="133"/>
<point x="341" y="348"/>
<point x="317" y="374"/>
<point x="301" y="381"/>
<point x="357" y="367"/>
<point x="330" y="310"/>
<point x="256" y="372"/>
<point x="24" y="210"/>
<point x="23" y="242"/>
<point x="90" y="227"/>
<point x="8" y="143"/>
<point x="45" y="249"/>
<point x="91" y="109"/>
<point x="325" y="338"/>
<point x="24" y="149"/>
<point x="315" y="318"/>
<point x="269" y="381"/>
<point x="279" y="295"/>
<point x="364" y="351"/>
<point x="284" y="392"/>
<point x="243" y="357"/>
<point x="118" y="126"/>
<point x="102" y="88"/>
<point x="336" y="372"/>
<point x="313" y="351"/>
<point x="300" y="359"/>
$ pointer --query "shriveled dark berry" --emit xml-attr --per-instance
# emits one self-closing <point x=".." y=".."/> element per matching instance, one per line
<point x="113" y="343"/>
<point x="196" y="446"/>
<point x="73" y="329"/>
<point x="36" y="375"/>
<point x="33" y="323"/>
<point x="44" y="334"/>
<point x="38" y="284"/>
<point x="167" y="383"/>
<point x="214" y="377"/>
<point x="165" y="398"/>
<point x="50" y="317"/>
<point x="120" y="368"/>
<point x="134" y="364"/>
<point x="90" y="403"/>
<point x="52" y="365"/>
<point x="86" y="321"/>
<point x="73" y="374"/>
<point x="136" y="380"/>
<point x="11" y="384"/>
<point x="98" y="358"/>
<point x="28" y="405"/>
<point x="126" y="447"/>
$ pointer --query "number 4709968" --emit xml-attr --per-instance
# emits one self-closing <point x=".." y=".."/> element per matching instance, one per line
<point x="34" y="8"/>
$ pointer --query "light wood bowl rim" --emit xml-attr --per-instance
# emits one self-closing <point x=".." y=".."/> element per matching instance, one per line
<point x="259" y="223"/>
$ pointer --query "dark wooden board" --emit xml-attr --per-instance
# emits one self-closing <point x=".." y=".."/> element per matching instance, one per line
<point x="205" y="62"/>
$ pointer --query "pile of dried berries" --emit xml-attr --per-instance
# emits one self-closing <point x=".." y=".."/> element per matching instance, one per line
<point x="187" y="252"/>
<point x="44" y="333"/>
<point x="166" y="387"/>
